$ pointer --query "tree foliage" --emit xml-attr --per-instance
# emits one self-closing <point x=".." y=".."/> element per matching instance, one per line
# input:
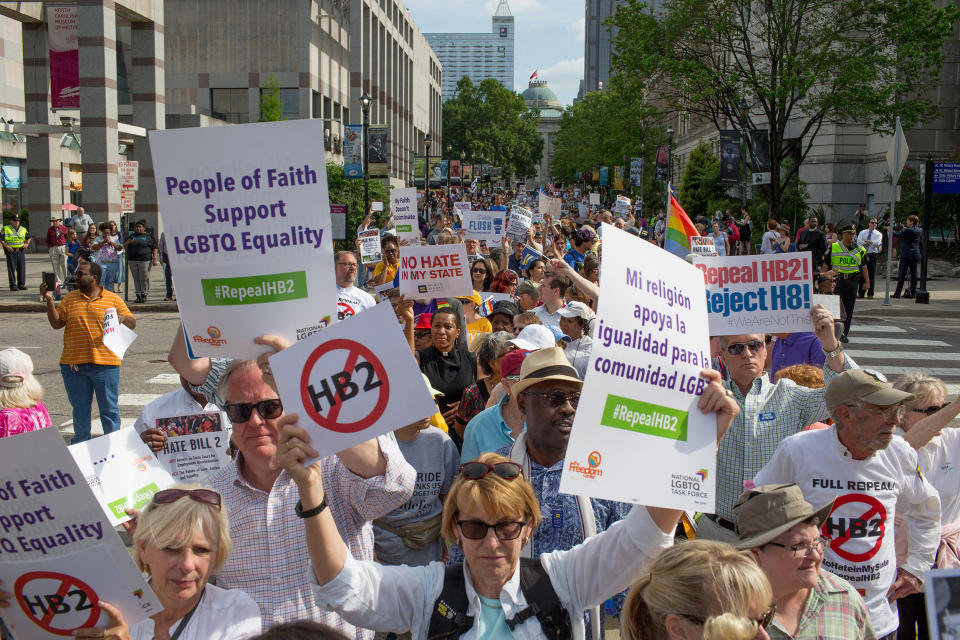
<point x="350" y="192"/>
<point x="271" y="105"/>
<point x="796" y="64"/>
<point x="700" y="186"/>
<point x="491" y="124"/>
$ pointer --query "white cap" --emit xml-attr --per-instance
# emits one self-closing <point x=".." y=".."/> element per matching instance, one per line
<point x="533" y="337"/>
<point x="576" y="309"/>
<point x="15" y="368"/>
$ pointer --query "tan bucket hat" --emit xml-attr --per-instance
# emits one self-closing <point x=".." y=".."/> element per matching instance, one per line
<point x="542" y="365"/>
<point x="766" y="511"/>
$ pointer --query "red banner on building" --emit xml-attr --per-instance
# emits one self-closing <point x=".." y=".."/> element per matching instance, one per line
<point x="64" y="57"/>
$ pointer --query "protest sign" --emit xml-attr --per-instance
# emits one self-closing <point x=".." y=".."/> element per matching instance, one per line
<point x="643" y="384"/>
<point x="369" y="246"/>
<point x="435" y="271"/>
<point x="758" y="294"/>
<point x="404" y="204"/>
<point x="462" y="207"/>
<point x="942" y="587"/>
<point x="549" y="205"/>
<point x="116" y="336"/>
<point x="197" y="445"/>
<point x="484" y="225"/>
<point x="247" y="221"/>
<point x="595" y="198"/>
<point x="376" y="205"/>
<point x="622" y="207"/>
<point x="831" y="303"/>
<point x="121" y="470"/>
<point x="703" y="246"/>
<point x="355" y="381"/>
<point x="582" y="212"/>
<point x="50" y="525"/>
<point x="518" y="222"/>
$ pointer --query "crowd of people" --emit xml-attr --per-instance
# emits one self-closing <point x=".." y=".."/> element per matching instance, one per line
<point x="454" y="525"/>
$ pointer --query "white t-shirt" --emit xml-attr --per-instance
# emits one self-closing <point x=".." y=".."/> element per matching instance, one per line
<point x="938" y="462"/>
<point x="578" y="354"/>
<point x="352" y="300"/>
<point x="547" y="318"/>
<point x="766" y="243"/>
<point x="223" y="614"/>
<point x="869" y="494"/>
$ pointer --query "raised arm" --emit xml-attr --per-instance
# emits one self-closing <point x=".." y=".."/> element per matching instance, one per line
<point x="923" y="431"/>
<point x="583" y="285"/>
<point x="195" y="370"/>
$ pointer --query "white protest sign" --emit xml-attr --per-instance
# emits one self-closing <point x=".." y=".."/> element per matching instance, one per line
<point x="643" y="384"/>
<point x="58" y="595"/>
<point x="518" y="222"/>
<point x="435" y="271"/>
<point x="831" y="303"/>
<point x="353" y="381"/>
<point x="116" y="336"/>
<point x="594" y="198"/>
<point x="484" y="225"/>
<point x="197" y="445"/>
<point x="48" y="516"/>
<point x="376" y="206"/>
<point x="703" y="246"/>
<point x="462" y="207"/>
<point x="403" y="202"/>
<point x="369" y="246"/>
<point x="582" y="212"/>
<point x="622" y="207"/>
<point x="549" y="205"/>
<point x="247" y="221"/>
<point x="122" y="472"/>
<point x="758" y="294"/>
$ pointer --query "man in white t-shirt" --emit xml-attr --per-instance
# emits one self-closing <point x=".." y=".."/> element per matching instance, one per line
<point x="872" y="475"/>
<point x="872" y="242"/>
<point x="351" y="299"/>
<point x="552" y="289"/>
<point x="181" y="402"/>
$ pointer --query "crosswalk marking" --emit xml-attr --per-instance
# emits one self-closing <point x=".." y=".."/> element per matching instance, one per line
<point x="877" y="328"/>
<point x="939" y="372"/>
<point x="96" y="429"/>
<point x="871" y="354"/>
<point x="896" y="342"/>
<point x="136" y="399"/>
<point x="165" y="378"/>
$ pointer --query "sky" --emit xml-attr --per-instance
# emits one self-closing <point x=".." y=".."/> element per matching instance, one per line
<point x="548" y="35"/>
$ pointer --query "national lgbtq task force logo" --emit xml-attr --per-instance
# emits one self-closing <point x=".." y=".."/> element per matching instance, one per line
<point x="592" y="471"/>
<point x="214" y="337"/>
<point x="691" y="486"/>
<point x="702" y="474"/>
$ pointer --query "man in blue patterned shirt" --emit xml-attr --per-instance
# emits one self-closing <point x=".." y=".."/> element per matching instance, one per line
<point x="769" y="412"/>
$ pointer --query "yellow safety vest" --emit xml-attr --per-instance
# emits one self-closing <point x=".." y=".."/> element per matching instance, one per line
<point x="14" y="237"/>
<point x="846" y="260"/>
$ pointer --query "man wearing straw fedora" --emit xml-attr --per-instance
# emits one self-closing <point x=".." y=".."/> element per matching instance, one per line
<point x="782" y="532"/>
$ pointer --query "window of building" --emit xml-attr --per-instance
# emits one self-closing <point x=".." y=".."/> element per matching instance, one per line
<point x="315" y="105"/>
<point x="327" y="109"/>
<point x="230" y="105"/>
<point x="346" y="116"/>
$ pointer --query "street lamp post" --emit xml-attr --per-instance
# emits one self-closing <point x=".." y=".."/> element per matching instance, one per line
<point x="463" y="186"/>
<point x="744" y="110"/>
<point x="449" y="149"/>
<point x="643" y="163"/>
<point x="426" y="179"/>
<point x="365" y="101"/>
<point x="669" y="158"/>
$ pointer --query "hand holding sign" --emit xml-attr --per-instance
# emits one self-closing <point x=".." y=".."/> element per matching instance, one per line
<point x="118" y="629"/>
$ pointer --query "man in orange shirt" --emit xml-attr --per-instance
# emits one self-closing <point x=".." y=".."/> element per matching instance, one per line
<point x="87" y="366"/>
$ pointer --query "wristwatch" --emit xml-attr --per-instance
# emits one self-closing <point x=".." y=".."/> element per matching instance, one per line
<point x="835" y="352"/>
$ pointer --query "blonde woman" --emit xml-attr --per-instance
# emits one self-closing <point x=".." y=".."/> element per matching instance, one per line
<point x="699" y="590"/>
<point x="21" y="396"/>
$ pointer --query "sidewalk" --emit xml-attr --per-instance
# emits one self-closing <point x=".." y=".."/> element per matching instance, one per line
<point x="29" y="300"/>
<point x="944" y="294"/>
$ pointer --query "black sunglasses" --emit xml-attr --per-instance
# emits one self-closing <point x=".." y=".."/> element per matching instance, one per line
<point x="169" y="496"/>
<point x="764" y="620"/>
<point x="557" y="398"/>
<point x="737" y="348"/>
<point x="932" y="409"/>
<point x="241" y="411"/>
<point x="476" y="530"/>
<point x="480" y="470"/>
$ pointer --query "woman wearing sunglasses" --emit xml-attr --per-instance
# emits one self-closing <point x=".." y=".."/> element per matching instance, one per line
<point x="924" y="427"/>
<point x="490" y="513"/>
<point x="182" y="537"/>
<point x="700" y="590"/>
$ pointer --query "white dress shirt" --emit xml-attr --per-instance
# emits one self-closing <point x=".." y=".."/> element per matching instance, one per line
<point x="222" y="614"/>
<point x="873" y="236"/>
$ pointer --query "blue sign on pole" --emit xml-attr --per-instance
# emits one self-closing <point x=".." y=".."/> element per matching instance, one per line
<point x="946" y="177"/>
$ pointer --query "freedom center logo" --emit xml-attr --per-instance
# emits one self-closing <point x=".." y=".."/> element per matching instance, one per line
<point x="592" y="471"/>
<point x="214" y="337"/>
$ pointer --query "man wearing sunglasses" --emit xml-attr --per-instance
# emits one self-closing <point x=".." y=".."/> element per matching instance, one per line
<point x="769" y="412"/>
<point x="873" y="475"/>
<point x="270" y="556"/>
<point x="782" y="532"/>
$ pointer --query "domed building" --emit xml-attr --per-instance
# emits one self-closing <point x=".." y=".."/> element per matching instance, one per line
<point x="539" y="96"/>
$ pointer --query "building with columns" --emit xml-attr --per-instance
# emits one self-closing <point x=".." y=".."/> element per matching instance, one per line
<point x="539" y="96"/>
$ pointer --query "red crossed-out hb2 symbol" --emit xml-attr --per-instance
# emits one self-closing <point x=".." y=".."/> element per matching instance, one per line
<point x="871" y="524"/>
<point x="341" y="386"/>
<point x="48" y="599"/>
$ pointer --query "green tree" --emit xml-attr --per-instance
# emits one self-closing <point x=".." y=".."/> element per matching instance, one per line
<point x="796" y="63"/>
<point x="700" y="185"/>
<point x="491" y="124"/>
<point x="350" y="192"/>
<point x="271" y="106"/>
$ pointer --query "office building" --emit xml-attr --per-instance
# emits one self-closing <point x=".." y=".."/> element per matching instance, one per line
<point x="477" y="55"/>
<point x="597" y="43"/>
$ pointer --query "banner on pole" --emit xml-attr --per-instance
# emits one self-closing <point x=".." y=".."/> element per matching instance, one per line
<point x="729" y="156"/>
<point x="353" y="151"/>
<point x="378" y="148"/>
<point x="64" y="52"/>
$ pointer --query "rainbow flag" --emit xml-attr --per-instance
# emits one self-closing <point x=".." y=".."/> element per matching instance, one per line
<point x="679" y="228"/>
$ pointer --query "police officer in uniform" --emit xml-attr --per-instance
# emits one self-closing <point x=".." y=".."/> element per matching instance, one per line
<point x="848" y="261"/>
<point x="15" y="239"/>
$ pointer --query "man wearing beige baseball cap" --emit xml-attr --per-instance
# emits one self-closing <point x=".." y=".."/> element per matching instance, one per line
<point x="872" y="475"/>
<point x="782" y="532"/>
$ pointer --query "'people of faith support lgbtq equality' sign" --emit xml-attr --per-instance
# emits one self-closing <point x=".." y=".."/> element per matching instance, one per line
<point x="355" y="381"/>
<point x="436" y="271"/>
<point x="758" y="294"/>
<point x="403" y="203"/>
<point x="247" y="217"/>
<point x="58" y="553"/>
<point x="643" y="384"/>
